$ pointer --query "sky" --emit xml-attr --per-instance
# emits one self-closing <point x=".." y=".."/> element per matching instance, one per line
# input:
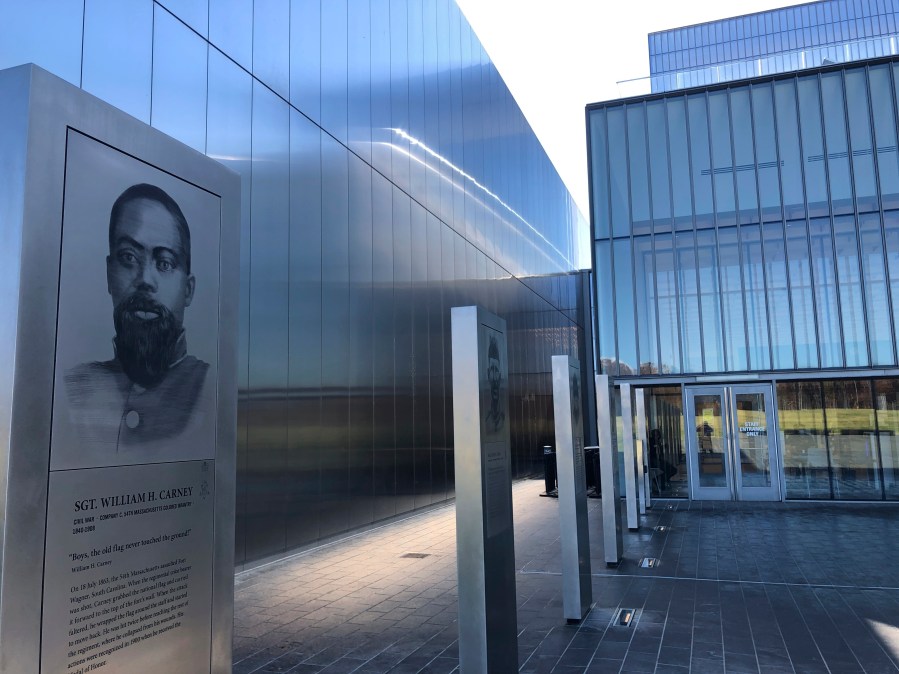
<point x="556" y="56"/>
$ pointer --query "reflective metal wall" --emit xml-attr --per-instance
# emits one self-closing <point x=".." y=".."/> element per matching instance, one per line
<point x="388" y="175"/>
<point x="749" y="228"/>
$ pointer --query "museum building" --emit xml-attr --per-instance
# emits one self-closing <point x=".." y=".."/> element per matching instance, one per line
<point x="745" y="224"/>
<point x="387" y="176"/>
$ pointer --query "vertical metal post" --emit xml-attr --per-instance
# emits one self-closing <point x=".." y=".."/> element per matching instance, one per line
<point x="643" y="466"/>
<point x="577" y="590"/>
<point x="485" y="546"/>
<point x="630" y="458"/>
<point x="608" y="466"/>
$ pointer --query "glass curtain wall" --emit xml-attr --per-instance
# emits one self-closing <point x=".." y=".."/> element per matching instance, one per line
<point x="753" y="227"/>
<point x="839" y="438"/>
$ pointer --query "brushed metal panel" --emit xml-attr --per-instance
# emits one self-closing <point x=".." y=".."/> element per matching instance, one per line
<point x="335" y="336"/>
<point x="117" y="56"/>
<point x="268" y="337"/>
<point x="46" y="33"/>
<point x="577" y="586"/>
<point x="231" y="29"/>
<point x="334" y="68"/>
<point x="271" y="45"/>
<point x="306" y="57"/>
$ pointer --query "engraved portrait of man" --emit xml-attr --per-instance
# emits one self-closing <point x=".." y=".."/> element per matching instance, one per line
<point x="148" y="391"/>
<point x="496" y="415"/>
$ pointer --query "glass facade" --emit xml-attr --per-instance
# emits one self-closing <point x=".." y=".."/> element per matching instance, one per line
<point x="765" y="248"/>
<point x="776" y="41"/>
<point x="779" y="256"/>
<point x="388" y="175"/>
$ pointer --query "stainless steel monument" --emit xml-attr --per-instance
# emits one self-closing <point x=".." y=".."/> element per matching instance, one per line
<point x="577" y="587"/>
<point x="118" y="391"/>
<point x="613" y="544"/>
<point x="488" y="633"/>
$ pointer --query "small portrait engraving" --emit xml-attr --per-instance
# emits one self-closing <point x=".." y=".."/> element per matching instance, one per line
<point x="149" y="389"/>
<point x="137" y="326"/>
<point x="496" y="415"/>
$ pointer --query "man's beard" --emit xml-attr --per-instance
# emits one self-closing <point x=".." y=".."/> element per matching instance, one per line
<point x="145" y="347"/>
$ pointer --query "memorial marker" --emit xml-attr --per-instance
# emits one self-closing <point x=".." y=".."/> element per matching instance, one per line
<point x="488" y="632"/>
<point x="577" y="588"/>
<point x="613" y="544"/>
<point x="118" y="401"/>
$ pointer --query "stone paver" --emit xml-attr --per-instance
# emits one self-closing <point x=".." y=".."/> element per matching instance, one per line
<point x="795" y="587"/>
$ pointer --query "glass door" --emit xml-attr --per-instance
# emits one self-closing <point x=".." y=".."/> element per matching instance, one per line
<point x="732" y="455"/>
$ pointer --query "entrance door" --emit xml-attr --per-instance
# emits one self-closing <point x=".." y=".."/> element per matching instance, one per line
<point x="731" y="453"/>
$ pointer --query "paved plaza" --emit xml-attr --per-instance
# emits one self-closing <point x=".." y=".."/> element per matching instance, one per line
<point x="775" y="588"/>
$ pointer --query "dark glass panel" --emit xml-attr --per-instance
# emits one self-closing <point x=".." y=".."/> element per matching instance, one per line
<point x="813" y="146"/>
<point x="852" y="303"/>
<point x="639" y="178"/>
<point x="624" y="307"/>
<point x="803" y="436"/>
<point x="860" y="140"/>
<point x="305" y="333"/>
<point x="658" y="164"/>
<point x="699" y="158"/>
<point x="722" y="158"/>
<point x="605" y="311"/>
<point x="825" y="285"/>
<point x="788" y="147"/>
<point x="886" y="394"/>
<point x="710" y="300"/>
<point x="766" y="152"/>
<point x="618" y="172"/>
<point x="666" y="293"/>
<point x="756" y="309"/>
<point x="680" y="163"/>
<point x="689" y="301"/>
<point x="600" y="173"/>
<point x="646" y="305"/>
<point x="852" y="439"/>
<point x="876" y="289"/>
<point x="801" y="294"/>
<point x="778" y="296"/>
<point x="667" y="458"/>
<point x="732" y="300"/>
<point x="744" y="155"/>
<point x="885" y="135"/>
<point x="837" y="147"/>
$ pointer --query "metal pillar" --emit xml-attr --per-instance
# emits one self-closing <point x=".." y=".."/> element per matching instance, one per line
<point x="630" y="458"/>
<point x="613" y="545"/>
<point x="488" y="626"/>
<point x="642" y="450"/>
<point x="577" y="590"/>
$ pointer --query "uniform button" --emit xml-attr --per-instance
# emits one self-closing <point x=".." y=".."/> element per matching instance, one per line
<point x="132" y="419"/>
